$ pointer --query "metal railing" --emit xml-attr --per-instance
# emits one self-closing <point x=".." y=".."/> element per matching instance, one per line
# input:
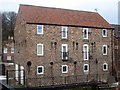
<point x="13" y="80"/>
<point x="63" y="80"/>
<point x="44" y="81"/>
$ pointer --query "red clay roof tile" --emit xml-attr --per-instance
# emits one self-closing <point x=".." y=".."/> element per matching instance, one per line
<point x="38" y="14"/>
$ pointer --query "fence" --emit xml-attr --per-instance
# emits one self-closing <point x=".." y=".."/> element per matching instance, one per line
<point x="15" y="77"/>
<point x="18" y="77"/>
<point x="63" y="80"/>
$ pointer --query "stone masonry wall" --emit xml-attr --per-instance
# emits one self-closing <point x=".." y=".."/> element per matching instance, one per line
<point x="20" y="41"/>
<point x="27" y="40"/>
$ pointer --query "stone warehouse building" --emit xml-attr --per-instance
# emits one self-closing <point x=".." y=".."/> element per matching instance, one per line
<point x="59" y="46"/>
<point x="117" y="51"/>
<point x="1" y="44"/>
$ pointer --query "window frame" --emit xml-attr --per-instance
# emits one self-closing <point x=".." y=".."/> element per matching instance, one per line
<point x="87" y="32"/>
<point x="42" y="70"/>
<point x="38" y="30"/>
<point x="85" y="52"/>
<point x="12" y="51"/>
<point x="16" y="71"/>
<point x="66" y="32"/>
<point x="66" y="68"/>
<point x="8" y="58"/>
<point x="5" y="51"/>
<point x="66" y="45"/>
<point x="106" y="67"/>
<point x="87" y="68"/>
<point x="42" y="50"/>
<point x="106" y="33"/>
<point x="106" y="47"/>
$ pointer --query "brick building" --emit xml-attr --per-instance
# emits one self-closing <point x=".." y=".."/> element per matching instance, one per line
<point x="0" y="44"/>
<point x="8" y="55"/>
<point x="8" y="51"/>
<point x="0" y="36"/>
<point x="68" y="45"/>
<point x="117" y="51"/>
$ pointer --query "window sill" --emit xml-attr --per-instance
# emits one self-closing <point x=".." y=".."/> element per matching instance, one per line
<point x="104" y="54"/>
<point x="64" y="72"/>
<point x="40" y="34"/>
<point x="39" y="73"/>
<point x="40" y="55"/>
<point x="104" y="36"/>
<point x="105" y="70"/>
<point x="85" y="59"/>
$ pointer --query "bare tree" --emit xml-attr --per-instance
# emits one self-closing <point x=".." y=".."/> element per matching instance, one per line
<point x="8" y="24"/>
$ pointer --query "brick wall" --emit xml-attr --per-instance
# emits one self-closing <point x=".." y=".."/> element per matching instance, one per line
<point x="0" y="34"/>
<point x="26" y="40"/>
<point x="8" y="45"/>
<point x="117" y="58"/>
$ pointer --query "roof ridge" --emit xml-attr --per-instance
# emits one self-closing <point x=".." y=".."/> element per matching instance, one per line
<point x="60" y="16"/>
<point x="57" y="8"/>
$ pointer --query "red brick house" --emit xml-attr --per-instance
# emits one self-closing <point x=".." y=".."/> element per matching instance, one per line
<point x="8" y="51"/>
<point x="8" y="54"/>
<point x="60" y="46"/>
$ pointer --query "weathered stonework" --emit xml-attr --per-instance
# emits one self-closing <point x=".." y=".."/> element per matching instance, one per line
<point x="26" y="40"/>
<point x="26" y="51"/>
<point x="1" y="44"/>
<point x="117" y="51"/>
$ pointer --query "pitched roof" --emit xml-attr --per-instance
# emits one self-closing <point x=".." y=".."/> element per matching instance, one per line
<point x="57" y="16"/>
<point x="116" y="30"/>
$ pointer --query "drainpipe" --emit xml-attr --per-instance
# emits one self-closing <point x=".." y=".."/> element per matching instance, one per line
<point x="52" y="77"/>
<point x="75" y="62"/>
<point x="112" y="50"/>
<point x="28" y="74"/>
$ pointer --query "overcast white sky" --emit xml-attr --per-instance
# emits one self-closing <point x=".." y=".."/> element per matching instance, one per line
<point x="107" y="8"/>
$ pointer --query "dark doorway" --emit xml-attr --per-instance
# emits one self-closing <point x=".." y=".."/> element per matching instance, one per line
<point x="2" y="69"/>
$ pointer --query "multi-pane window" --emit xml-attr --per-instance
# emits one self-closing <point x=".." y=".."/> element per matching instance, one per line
<point x="64" y="51"/>
<point x="39" y="29"/>
<point x="16" y="71"/>
<point x="104" y="49"/>
<point x="40" y="70"/>
<point x="116" y="46"/>
<point x="12" y="50"/>
<point x="64" y="69"/>
<point x="40" y="50"/>
<point x="85" y="52"/>
<point x="105" y="67"/>
<point x="8" y="57"/>
<point x="5" y="50"/>
<point x="85" y="33"/>
<point x="64" y="32"/>
<point x="86" y="68"/>
<point x="104" y="32"/>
